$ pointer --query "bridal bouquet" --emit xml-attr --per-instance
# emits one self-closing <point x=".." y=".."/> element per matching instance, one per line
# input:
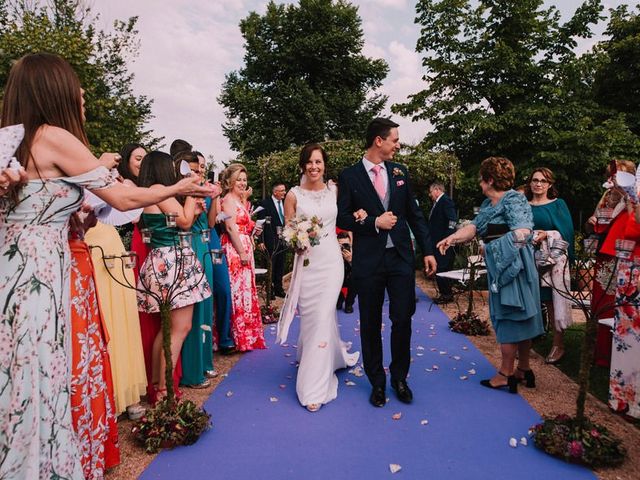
<point x="302" y="233"/>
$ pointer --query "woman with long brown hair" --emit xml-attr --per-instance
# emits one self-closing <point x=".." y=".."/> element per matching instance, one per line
<point x="43" y="94"/>
<point x="551" y="216"/>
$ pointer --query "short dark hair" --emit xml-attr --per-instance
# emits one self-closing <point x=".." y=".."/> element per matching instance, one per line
<point x="305" y="155"/>
<point x="157" y="168"/>
<point x="179" y="145"/>
<point x="378" y="127"/>
<point x="125" y="155"/>
<point x="277" y="183"/>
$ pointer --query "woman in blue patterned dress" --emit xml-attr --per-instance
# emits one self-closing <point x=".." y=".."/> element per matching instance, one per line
<point x="43" y="93"/>
<point x="505" y="223"/>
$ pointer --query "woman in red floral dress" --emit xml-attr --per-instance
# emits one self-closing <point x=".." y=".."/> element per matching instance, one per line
<point x="624" y="376"/>
<point x="237" y="243"/>
<point x="92" y="396"/>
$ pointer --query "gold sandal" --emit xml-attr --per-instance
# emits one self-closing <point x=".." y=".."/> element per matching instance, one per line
<point x="555" y="355"/>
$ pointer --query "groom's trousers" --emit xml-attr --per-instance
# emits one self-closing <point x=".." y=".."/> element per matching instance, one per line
<point x="397" y="277"/>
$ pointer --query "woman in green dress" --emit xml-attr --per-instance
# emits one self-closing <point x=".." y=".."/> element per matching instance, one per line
<point x="550" y="213"/>
<point x="197" y="350"/>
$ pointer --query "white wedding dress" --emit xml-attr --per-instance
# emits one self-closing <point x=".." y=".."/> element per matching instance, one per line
<point x="320" y="349"/>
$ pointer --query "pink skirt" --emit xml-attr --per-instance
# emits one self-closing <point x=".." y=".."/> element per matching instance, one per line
<point x="177" y="278"/>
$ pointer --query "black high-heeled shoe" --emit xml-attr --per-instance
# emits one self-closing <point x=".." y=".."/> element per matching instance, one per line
<point x="529" y="378"/>
<point x="512" y="383"/>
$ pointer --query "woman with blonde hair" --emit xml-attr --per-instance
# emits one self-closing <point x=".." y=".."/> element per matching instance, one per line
<point x="237" y="244"/>
<point x="43" y="94"/>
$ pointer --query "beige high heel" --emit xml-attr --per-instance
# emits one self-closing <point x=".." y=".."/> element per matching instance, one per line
<point x="313" y="407"/>
<point x="555" y="355"/>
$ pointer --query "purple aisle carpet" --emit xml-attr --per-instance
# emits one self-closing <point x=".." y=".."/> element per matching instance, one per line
<point x="455" y="428"/>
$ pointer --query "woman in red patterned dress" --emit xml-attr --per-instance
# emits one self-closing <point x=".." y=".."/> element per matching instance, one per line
<point x="92" y="400"/>
<point x="237" y="243"/>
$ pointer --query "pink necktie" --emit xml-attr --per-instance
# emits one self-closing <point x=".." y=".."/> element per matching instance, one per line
<point x="378" y="182"/>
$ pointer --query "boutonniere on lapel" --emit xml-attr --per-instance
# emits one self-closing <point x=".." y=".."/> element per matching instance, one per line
<point x="396" y="172"/>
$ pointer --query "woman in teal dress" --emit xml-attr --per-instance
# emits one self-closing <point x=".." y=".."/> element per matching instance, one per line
<point x="197" y="350"/>
<point x="550" y="213"/>
<point x="171" y="271"/>
<point x="505" y="223"/>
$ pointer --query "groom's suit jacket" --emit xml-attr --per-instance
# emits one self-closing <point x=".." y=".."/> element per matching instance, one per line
<point x="356" y="191"/>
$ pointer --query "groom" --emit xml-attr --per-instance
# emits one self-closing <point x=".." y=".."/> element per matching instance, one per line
<point x="383" y="256"/>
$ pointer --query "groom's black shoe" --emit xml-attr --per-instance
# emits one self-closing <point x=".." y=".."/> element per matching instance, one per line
<point x="403" y="392"/>
<point x="378" y="397"/>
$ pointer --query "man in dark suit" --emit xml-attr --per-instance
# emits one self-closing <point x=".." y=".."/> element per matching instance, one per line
<point x="274" y="208"/>
<point x="383" y="257"/>
<point x="442" y="223"/>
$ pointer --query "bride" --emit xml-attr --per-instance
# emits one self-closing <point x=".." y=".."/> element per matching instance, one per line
<point x="320" y="350"/>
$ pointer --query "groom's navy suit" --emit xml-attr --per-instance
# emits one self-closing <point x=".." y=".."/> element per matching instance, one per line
<point x="377" y="266"/>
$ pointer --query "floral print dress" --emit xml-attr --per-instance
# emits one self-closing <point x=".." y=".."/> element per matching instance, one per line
<point x="36" y="434"/>
<point x="624" y="376"/>
<point x="246" y="320"/>
<point x="92" y="401"/>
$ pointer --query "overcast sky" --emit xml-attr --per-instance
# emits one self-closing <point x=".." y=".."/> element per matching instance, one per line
<point x="187" y="47"/>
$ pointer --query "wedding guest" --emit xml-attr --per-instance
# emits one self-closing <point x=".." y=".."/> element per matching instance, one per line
<point x="609" y="221"/>
<point x="504" y="223"/>
<point x="44" y="94"/>
<point x="274" y="209"/>
<point x="171" y="267"/>
<point x="442" y="223"/>
<point x="551" y="213"/>
<point x="197" y="350"/>
<point x="179" y="145"/>
<point x="237" y="244"/>
<point x="221" y="283"/>
<point x="92" y="398"/>
<point x="129" y="168"/>
<point x="347" y="295"/>
<point x="624" y="376"/>
<point x="120" y="312"/>
<point x="131" y="158"/>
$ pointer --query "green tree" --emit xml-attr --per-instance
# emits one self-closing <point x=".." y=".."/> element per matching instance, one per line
<point x="617" y="81"/>
<point x="114" y="114"/>
<point x="504" y="79"/>
<point x="304" y="79"/>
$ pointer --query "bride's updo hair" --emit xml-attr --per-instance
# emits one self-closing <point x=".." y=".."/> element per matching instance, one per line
<point x="305" y="155"/>
<point x="230" y="175"/>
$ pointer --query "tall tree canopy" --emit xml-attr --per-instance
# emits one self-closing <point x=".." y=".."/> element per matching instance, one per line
<point x="304" y="79"/>
<point x="504" y="79"/>
<point x="617" y="82"/>
<point x="114" y="114"/>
